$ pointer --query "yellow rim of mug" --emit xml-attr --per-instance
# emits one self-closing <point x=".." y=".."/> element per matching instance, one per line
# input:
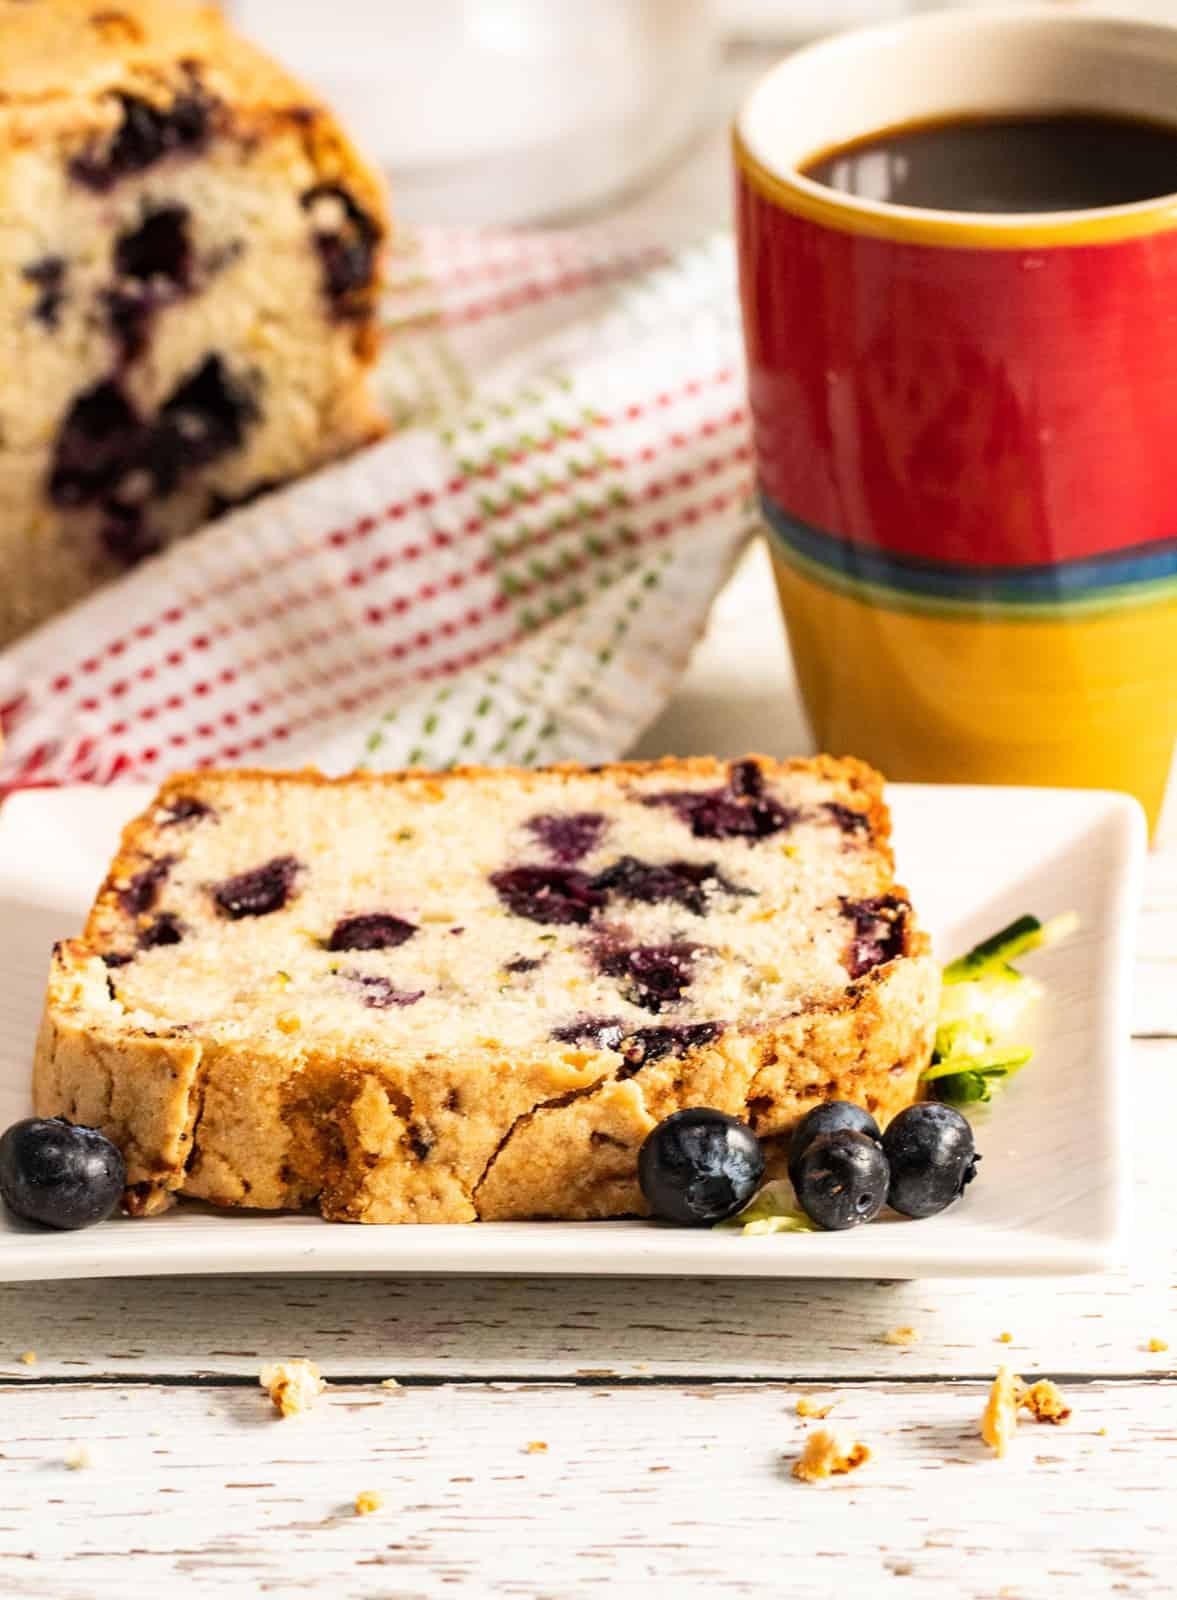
<point x="801" y="197"/>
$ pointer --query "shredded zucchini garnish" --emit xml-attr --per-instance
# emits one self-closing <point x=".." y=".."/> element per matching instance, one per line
<point x="984" y="1005"/>
<point x="771" y="1210"/>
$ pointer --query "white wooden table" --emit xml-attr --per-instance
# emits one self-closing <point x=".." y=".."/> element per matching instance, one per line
<point x="667" y="1409"/>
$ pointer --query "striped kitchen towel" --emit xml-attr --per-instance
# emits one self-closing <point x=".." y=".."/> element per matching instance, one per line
<point x="517" y="574"/>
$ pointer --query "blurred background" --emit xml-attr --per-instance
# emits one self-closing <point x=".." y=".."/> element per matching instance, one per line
<point x="513" y="111"/>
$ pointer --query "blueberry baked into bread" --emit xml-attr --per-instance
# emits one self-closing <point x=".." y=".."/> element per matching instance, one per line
<point x="190" y="258"/>
<point x="436" y="998"/>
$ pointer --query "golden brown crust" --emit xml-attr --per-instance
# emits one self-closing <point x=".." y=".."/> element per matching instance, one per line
<point x="454" y="1136"/>
<point x="72" y="50"/>
<point x="92" y="1069"/>
<point x="579" y="1158"/>
<point x="457" y="1139"/>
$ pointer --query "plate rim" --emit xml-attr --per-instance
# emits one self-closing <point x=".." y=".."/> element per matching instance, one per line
<point x="460" y="1249"/>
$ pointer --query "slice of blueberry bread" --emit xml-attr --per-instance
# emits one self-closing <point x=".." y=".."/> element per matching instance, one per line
<point x="439" y="998"/>
<point x="190" y="260"/>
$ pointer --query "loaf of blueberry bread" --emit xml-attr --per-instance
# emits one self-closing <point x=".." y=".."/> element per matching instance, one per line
<point x="190" y="259"/>
<point x="436" y="998"/>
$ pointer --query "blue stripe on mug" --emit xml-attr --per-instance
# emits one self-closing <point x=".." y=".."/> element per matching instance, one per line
<point x="1143" y="573"/>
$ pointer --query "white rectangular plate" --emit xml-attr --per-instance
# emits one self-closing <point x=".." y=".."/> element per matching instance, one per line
<point x="1050" y="1194"/>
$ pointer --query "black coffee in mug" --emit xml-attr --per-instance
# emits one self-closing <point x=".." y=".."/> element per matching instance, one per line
<point x="1071" y="161"/>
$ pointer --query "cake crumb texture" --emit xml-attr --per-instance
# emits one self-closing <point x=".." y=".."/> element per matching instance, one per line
<point x="825" y="1456"/>
<point x="368" y="1501"/>
<point x="1044" y="1401"/>
<point x="503" y="980"/>
<point x="293" y="1386"/>
<point x="901" y="1336"/>
<point x="999" y="1420"/>
<point x="1009" y="1395"/>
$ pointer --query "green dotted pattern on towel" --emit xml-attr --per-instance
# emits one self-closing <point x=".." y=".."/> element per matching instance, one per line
<point x="559" y="533"/>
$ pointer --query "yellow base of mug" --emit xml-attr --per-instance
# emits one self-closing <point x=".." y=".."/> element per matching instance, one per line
<point x="1083" y="702"/>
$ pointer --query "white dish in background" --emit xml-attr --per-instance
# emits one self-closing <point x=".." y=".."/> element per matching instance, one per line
<point x="1050" y="1194"/>
<point x="499" y="114"/>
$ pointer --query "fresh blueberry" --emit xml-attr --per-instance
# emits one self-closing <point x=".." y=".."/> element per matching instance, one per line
<point x="933" y="1156"/>
<point x="374" y="930"/>
<point x="699" y="1166"/>
<point x="828" y="1118"/>
<point x="842" y="1179"/>
<point x="257" y="893"/>
<point x="556" y="895"/>
<point x="55" y="1172"/>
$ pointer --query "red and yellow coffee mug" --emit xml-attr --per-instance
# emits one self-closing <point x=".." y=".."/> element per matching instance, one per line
<point x="966" y="424"/>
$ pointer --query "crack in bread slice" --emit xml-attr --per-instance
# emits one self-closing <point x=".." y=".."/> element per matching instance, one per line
<point x="437" y="998"/>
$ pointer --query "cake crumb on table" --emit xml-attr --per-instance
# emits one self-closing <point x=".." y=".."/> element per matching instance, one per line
<point x="1044" y="1401"/>
<point x="78" y="1458"/>
<point x="1009" y="1395"/>
<point x="825" y="1456"/>
<point x="537" y="1447"/>
<point x="1156" y="1345"/>
<point x="367" y="1501"/>
<point x="808" y="1407"/>
<point x="999" y="1420"/>
<point x="293" y="1386"/>
<point x="901" y="1336"/>
<point x="1005" y="1338"/>
<point x="29" y="1357"/>
<point x="391" y="1383"/>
